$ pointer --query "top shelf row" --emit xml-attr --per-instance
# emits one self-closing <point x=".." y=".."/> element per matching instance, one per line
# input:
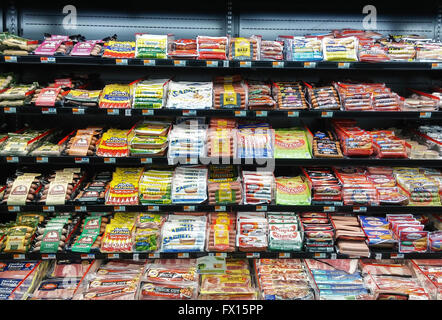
<point x="136" y="62"/>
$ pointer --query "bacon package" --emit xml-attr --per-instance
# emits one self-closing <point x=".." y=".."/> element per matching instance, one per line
<point x="212" y="48"/>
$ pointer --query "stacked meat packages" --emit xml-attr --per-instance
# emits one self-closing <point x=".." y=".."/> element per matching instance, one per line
<point x="350" y="238"/>
<point x="221" y="140"/>
<point x="272" y="50"/>
<point x="224" y="185"/>
<point x="258" y="187"/>
<point x="285" y="232"/>
<point x="323" y="98"/>
<point x="111" y="280"/>
<point x="252" y="231"/>
<point x="283" y="279"/>
<point x="318" y="232"/>
<point x="354" y="140"/>
<point x="212" y="48"/>
<point x="17" y="279"/>
<point x="260" y="95"/>
<point x="221" y="231"/>
<point x="357" y="189"/>
<point x="254" y="141"/>
<point x="149" y="138"/>
<point x="229" y="93"/>
<point x="377" y="231"/>
<point x="289" y="95"/>
<point x="187" y="140"/>
<point x="189" y="185"/>
<point x="182" y="233"/>
<point x="172" y="279"/>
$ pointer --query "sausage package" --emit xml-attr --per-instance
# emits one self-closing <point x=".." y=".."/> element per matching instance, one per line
<point x="340" y="49"/>
<point x="245" y="48"/>
<point x="152" y="46"/>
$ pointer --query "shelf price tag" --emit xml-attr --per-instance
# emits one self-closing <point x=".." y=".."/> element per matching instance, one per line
<point x="226" y="63"/>
<point x="87" y="256"/>
<point x="18" y="256"/>
<point x="77" y="111"/>
<point x="425" y="115"/>
<point x="183" y="255"/>
<point x="48" y="111"/>
<point x="253" y="255"/>
<point x="10" y="110"/>
<point x="11" y="59"/>
<point x="245" y="64"/>
<point x="189" y="208"/>
<point x="120" y="208"/>
<point x="149" y="62"/>
<point x="191" y="161"/>
<point x="333" y="256"/>
<point x="359" y="209"/>
<point x="326" y="114"/>
<point x="277" y="64"/>
<point x="436" y="66"/>
<point x="113" y="256"/>
<point x="189" y="113"/>
<point x="80" y="209"/>
<point x="293" y="114"/>
<point x="217" y="254"/>
<point x="320" y="255"/>
<point x="146" y="112"/>
<point x="329" y="209"/>
<point x="343" y="65"/>
<point x="153" y="208"/>
<point x="81" y="160"/>
<point x="261" y="208"/>
<point x="396" y="256"/>
<point x="240" y="113"/>
<point x="113" y="112"/>
<point x="378" y="256"/>
<point x="220" y="208"/>
<point x="48" y="209"/>
<point x="136" y="256"/>
<point x="12" y="159"/>
<point x="13" y="208"/>
<point x="211" y="64"/>
<point x="49" y="256"/>
<point x="154" y="255"/>
<point x="109" y="160"/>
<point x="41" y="159"/>
<point x="261" y="113"/>
<point x="284" y="255"/>
<point x="122" y="62"/>
<point x="309" y="64"/>
<point x="47" y="59"/>
<point x="128" y="112"/>
<point x="179" y="63"/>
<point x="146" y="160"/>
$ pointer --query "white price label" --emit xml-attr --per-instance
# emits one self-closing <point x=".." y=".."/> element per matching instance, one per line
<point x="109" y="160"/>
<point x="320" y="255"/>
<point x="113" y="112"/>
<point x="245" y="64"/>
<point x="436" y="66"/>
<point x="77" y="111"/>
<point x="179" y="63"/>
<point x="153" y="208"/>
<point x="113" y="256"/>
<point x="122" y="62"/>
<point x="183" y="255"/>
<point x="119" y="208"/>
<point x="261" y="113"/>
<point x="87" y="256"/>
<point x="48" y="111"/>
<point x="333" y="256"/>
<point x="343" y="65"/>
<point x="189" y="208"/>
<point x="284" y="255"/>
<point x="146" y="112"/>
<point x="252" y="255"/>
<point x="309" y="64"/>
<point x="220" y="208"/>
<point x="326" y="114"/>
<point x="397" y="256"/>
<point x="240" y="113"/>
<point x="154" y="255"/>
<point x="277" y="64"/>
<point x="146" y="160"/>
<point x="378" y="256"/>
<point x="18" y="256"/>
<point x="136" y="256"/>
<point x="12" y="159"/>
<point x="212" y="64"/>
<point x="50" y="256"/>
<point x="10" y="110"/>
<point x="12" y="59"/>
<point x="13" y="208"/>
<point x="80" y="209"/>
<point x="226" y="63"/>
<point x="47" y="59"/>
<point x="149" y="62"/>
<point x="41" y="159"/>
<point x="189" y="112"/>
<point x="81" y="160"/>
<point x="261" y="208"/>
<point x="425" y="115"/>
<point x="293" y="114"/>
<point x="128" y="112"/>
<point x="48" y="208"/>
<point x="359" y="209"/>
<point x="329" y="209"/>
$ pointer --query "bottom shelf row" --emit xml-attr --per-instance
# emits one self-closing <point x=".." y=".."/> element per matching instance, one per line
<point x="213" y="278"/>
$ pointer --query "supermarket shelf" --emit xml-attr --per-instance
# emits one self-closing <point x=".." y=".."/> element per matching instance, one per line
<point x="98" y="61"/>
<point x="292" y="114"/>
<point x="137" y="161"/>
<point x="193" y="255"/>
<point x="220" y="208"/>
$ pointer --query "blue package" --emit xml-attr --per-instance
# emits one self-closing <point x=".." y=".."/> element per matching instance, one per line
<point x="17" y="266"/>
